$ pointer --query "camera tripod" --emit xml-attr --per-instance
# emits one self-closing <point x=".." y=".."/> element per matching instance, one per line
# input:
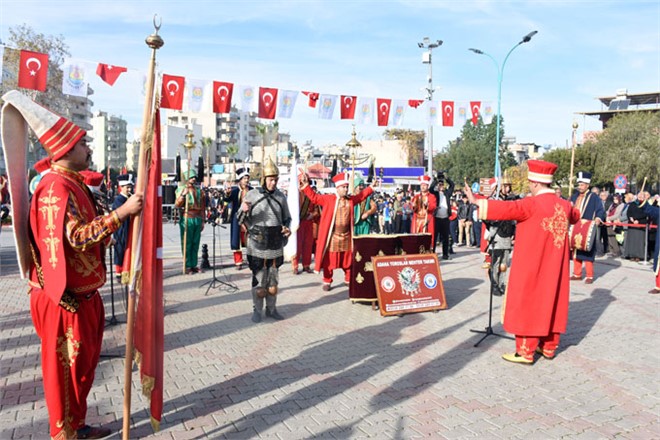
<point x="215" y="282"/>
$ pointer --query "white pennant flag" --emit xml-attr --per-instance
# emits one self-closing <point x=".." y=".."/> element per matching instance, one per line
<point x="432" y="114"/>
<point x="247" y="98"/>
<point x="293" y="202"/>
<point x="462" y="113"/>
<point x="365" y="110"/>
<point x="326" y="105"/>
<point x="287" y="103"/>
<point x="197" y="90"/>
<point x="74" y="78"/>
<point x="398" y="110"/>
<point x="487" y="112"/>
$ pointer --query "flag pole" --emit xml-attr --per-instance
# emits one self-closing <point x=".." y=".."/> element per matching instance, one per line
<point x="155" y="42"/>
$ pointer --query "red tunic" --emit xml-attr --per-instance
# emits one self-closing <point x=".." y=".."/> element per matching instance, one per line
<point x="305" y="234"/>
<point x="68" y="235"/>
<point x="538" y="290"/>
<point x="328" y="204"/>
<point x="424" y="205"/>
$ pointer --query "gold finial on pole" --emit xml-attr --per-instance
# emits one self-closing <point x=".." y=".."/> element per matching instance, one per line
<point x="353" y="144"/>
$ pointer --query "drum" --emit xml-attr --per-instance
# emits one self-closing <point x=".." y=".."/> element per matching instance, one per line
<point x="583" y="235"/>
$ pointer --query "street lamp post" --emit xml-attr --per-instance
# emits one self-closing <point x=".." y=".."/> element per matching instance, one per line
<point x="500" y="72"/>
<point x="426" y="59"/>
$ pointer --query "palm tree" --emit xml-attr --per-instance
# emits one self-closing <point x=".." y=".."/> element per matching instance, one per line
<point x="207" y="142"/>
<point x="232" y="151"/>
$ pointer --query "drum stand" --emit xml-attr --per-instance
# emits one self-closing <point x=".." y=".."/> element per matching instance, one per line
<point x="215" y="282"/>
<point x="488" y="331"/>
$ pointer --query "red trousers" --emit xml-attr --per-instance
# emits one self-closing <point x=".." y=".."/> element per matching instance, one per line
<point x="305" y="241"/>
<point x="70" y="350"/>
<point x="336" y="260"/>
<point x="577" y="268"/>
<point x="526" y="345"/>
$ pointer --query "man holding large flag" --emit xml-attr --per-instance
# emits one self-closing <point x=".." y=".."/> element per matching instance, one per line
<point x="61" y="246"/>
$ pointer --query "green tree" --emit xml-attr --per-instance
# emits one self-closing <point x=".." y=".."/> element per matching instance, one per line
<point x="232" y="151"/>
<point x="413" y="143"/>
<point x="23" y="37"/>
<point x="629" y="145"/>
<point x="472" y="155"/>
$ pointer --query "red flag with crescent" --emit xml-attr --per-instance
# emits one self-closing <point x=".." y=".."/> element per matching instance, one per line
<point x="33" y="70"/>
<point x="447" y="113"/>
<point x="475" y="107"/>
<point x="267" y="102"/>
<point x="109" y="73"/>
<point x="313" y="98"/>
<point x="383" y="105"/>
<point x="172" y="92"/>
<point x="222" y="92"/>
<point x="348" y="104"/>
<point x="148" y="337"/>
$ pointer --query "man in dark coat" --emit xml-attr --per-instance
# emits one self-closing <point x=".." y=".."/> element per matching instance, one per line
<point x="235" y="198"/>
<point x="125" y="183"/>
<point x="442" y="211"/>
<point x="591" y="208"/>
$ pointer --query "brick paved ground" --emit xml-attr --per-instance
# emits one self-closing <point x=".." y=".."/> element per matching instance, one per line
<point x="334" y="369"/>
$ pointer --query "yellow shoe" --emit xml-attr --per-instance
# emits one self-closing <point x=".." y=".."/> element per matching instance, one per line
<point x="548" y="356"/>
<point x="517" y="359"/>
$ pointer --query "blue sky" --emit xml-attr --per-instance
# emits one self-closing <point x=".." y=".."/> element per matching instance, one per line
<point x="584" y="49"/>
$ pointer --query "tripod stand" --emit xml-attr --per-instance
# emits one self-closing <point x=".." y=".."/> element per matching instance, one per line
<point x="215" y="282"/>
<point x="488" y="331"/>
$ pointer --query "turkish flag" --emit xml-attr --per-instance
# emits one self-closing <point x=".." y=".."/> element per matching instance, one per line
<point x="414" y="103"/>
<point x="33" y="70"/>
<point x="313" y="98"/>
<point x="148" y="337"/>
<point x="348" y="104"/>
<point x="267" y="102"/>
<point x="447" y="113"/>
<point x="475" y="106"/>
<point x="222" y="92"/>
<point x="109" y="73"/>
<point x="383" y="106"/>
<point x="171" y="95"/>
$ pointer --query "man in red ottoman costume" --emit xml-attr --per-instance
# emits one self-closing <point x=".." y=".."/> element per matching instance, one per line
<point x="536" y="302"/>
<point x="334" y="247"/>
<point x="61" y="249"/>
<point x="424" y="204"/>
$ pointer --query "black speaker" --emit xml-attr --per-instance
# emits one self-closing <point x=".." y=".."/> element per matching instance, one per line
<point x="168" y="194"/>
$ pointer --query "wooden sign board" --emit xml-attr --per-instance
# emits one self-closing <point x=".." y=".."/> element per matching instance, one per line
<point x="408" y="283"/>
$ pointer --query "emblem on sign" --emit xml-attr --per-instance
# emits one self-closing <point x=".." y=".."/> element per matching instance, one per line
<point x="410" y="281"/>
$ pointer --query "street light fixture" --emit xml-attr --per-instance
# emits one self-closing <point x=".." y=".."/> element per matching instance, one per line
<point x="500" y="72"/>
<point x="426" y="59"/>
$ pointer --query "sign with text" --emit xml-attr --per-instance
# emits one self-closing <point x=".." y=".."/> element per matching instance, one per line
<point x="408" y="283"/>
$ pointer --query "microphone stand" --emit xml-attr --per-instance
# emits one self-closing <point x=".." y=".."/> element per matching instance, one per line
<point x="113" y="319"/>
<point x="215" y="282"/>
<point x="488" y="331"/>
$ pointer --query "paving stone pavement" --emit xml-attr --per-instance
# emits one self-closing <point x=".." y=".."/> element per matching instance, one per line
<point x="334" y="369"/>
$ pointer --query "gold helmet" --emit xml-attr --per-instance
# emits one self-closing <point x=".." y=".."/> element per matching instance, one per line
<point x="270" y="170"/>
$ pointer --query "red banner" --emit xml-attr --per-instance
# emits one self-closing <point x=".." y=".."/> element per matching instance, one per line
<point x="33" y="70"/>
<point x="408" y="283"/>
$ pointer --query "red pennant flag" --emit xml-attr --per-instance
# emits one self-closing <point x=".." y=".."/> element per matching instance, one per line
<point x="475" y="106"/>
<point x="447" y="113"/>
<point x="109" y="73"/>
<point x="414" y="103"/>
<point x="383" y="106"/>
<point x="33" y="70"/>
<point x="313" y="98"/>
<point x="222" y="92"/>
<point x="267" y="102"/>
<point x="172" y="92"/>
<point x="348" y="104"/>
<point x="149" y="329"/>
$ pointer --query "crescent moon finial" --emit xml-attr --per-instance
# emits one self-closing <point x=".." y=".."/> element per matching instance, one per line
<point x="160" y="23"/>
